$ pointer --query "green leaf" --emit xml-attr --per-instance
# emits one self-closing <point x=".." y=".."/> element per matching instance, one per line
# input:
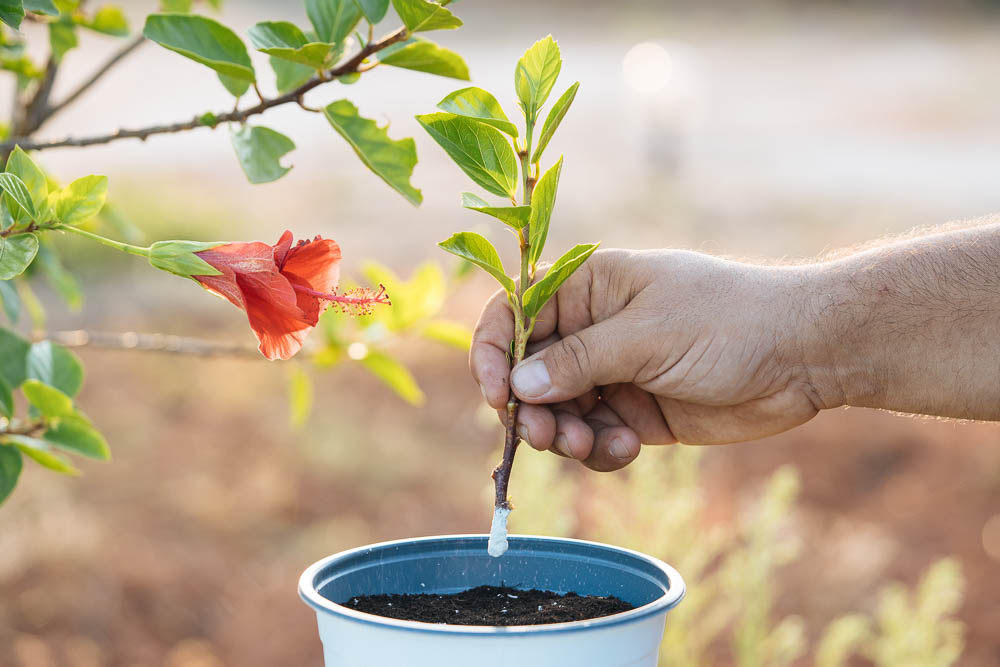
<point x="259" y="150"/>
<point x="423" y="55"/>
<point x="76" y="434"/>
<point x="47" y="400"/>
<point x="55" y="366"/>
<point x="481" y="151"/>
<point x="450" y="333"/>
<point x="395" y="375"/>
<point x="18" y="198"/>
<point x="236" y="87"/>
<point x="46" y="7"/>
<point x="535" y="75"/>
<point x="109" y="20"/>
<point x="10" y="457"/>
<point x="33" y="178"/>
<point x="10" y="300"/>
<point x="205" y="41"/>
<point x="41" y="452"/>
<point x="515" y="216"/>
<point x="13" y="358"/>
<point x="479" y="105"/>
<point x="478" y="250"/>
<point x="16" y="253"/>
<point x="333" y="20"/>
<point x="424" y="15"/>
<point x="556" y="114"/>
<point x="6" y="400"/>
<point x="300" y="396"/>
<point x="543" y="200"/>
<point x="392" y="161"/>
<point x="11" y="13"/>
<point x="374" y="10"/>
<point x="81" y="200"/>
<point x="538" y="294"/>
<point x="282" y="39"/>
<point x="176" y="6"/>
<point x="289" y="75"/>
<point x="59" y="277"/>
<point x="62" y="38"/>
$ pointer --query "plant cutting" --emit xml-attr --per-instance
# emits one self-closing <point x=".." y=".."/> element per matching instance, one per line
<point x="446" y="601"/>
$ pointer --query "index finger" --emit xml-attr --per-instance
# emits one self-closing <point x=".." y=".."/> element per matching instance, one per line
<point x="490" y="345"/>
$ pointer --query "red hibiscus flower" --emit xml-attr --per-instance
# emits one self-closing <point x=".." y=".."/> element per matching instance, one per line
<point x="283" y="288"/>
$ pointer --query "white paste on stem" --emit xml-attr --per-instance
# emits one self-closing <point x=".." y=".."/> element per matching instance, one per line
<point x="498" y="533"/>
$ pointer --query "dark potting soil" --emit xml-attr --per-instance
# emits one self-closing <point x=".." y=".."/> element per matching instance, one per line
<point x="490" y="605"/>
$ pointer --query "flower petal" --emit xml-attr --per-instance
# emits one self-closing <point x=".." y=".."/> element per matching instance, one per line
<point x="316" y="265"/>
<point x="280" y="249"/>
<point x="273" y="313"/>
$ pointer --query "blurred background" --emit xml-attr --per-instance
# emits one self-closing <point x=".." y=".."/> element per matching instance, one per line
<point x="754" y="129"/>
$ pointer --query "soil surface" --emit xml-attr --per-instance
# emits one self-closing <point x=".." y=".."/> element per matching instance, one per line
<point x="490" y="605"/>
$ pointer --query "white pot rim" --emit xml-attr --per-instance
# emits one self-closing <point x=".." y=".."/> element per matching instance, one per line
<point x="309" y="591"/>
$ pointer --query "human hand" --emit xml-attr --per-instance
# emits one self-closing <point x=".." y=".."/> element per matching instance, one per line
<point x="656" y="347"/>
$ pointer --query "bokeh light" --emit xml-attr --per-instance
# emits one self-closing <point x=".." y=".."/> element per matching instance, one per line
<point x="647" y="67"/>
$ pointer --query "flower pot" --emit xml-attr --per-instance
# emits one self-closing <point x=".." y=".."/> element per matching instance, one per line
<point x="450" y="564"/>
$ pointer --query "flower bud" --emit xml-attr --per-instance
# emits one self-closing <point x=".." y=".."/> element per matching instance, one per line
<point x="180" y="258"/>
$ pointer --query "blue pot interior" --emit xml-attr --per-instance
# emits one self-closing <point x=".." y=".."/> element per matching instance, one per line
<point x="454" y="564"/>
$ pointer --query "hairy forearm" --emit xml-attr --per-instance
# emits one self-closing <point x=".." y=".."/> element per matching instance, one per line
<point x="912" y="326"/>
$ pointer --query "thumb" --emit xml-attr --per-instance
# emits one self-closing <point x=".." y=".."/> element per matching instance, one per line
<point x="604" y="353"/>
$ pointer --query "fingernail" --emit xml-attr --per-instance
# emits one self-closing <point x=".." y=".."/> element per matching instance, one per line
<point x="618" y="449"/>
<point x="522" y="432"/>
<point x="562" y="444"/>
<point x="531" y="378"/>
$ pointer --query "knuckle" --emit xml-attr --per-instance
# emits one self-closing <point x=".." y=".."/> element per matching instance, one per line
<point x="575" y="355"/>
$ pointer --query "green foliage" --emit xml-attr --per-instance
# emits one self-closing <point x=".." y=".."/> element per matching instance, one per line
<point x="514" y="216"/>
<point x="62" y="37"/>
<point x="31" y="193"/>
<point x="284" y="40"/>
<point x="542" y="203"/>
<point x="109" y="20"/>
<point x="374" y="10"/>
<point x="81" y="200"/>
<point x="425" y="15"/>
<point x="395" y="375"/>
<point x="480" y="150"/>
<point x="535" y="74"/>
<point x="300" y="396"/>
<point x="180" y="258"/>
<point x="207" y="42"/>
<point x="392" y="160"/>
<point x="49" y="401"/>
<point x="10" y="469"/>
<point x="289" y="75"/>
<point x="479" y="105"/>
<point x="18" y="199"/>
<point x="259" y="150"/>
<point x="333" y="20"/>
<point x="16" y="254"/>
<point x="10" y="300"/>
<point x="11" y="13"/>
<point x="55" y="366"/>
<point x="423" y="55"/>
<point x="536" y="296"/>
<point x="477" y="249"/>
<point x="552" y="121"/>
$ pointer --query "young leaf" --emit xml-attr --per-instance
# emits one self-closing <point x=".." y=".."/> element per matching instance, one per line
<point x="481" y="151"/>
<point x="10" y="300"/>
<point x="108" y="20"/>
<point x="535" y="75"/>
<point x="282" y="39"/>
<point x="47" y="400"/>
<point x="333" y="20"/>
<point x="450" y="333"/>
<point x="13" y="358"/>
<point x="423" y="55"/>
<point x="33" y="178"/>
<point x="478" y="104"/>
<point x="392" y="161"/>
<point x="289" y="75"/>
<point x="55" y="366"/>
<point x="476" y="249"/>
<point x="395" y="375"/>
<point x="74" y="433"/>
<point x="81" y="200"/>
<point x="207" y="42"/>
<point x="11" y="13"/>
<point x="16" y="253"/>
<point x="10" y="457"/>
<point x="300" y="396"/>
<point x="41" y="452"/>
<point x="62" y="38"/>
<point x="542" y="202"/>
<point x="374" y="10"/>
<point x="515" y="216"/>
<point x="259" y="150"/>
<point x="59" y="277"/>
<point x="6" y="400"/>
<point x="46" y="7"/>
<point x="424" y="15"/>
<point x="176" y="6"/>
<point x="556" y="114"/>
<point x="538" y="294"/>
<point x="17" y="197"/>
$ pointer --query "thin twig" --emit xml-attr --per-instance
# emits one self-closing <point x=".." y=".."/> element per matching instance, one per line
<point x="152" y="342"/>
<point x="96" y="76"/>
<point x="236" y="115"/>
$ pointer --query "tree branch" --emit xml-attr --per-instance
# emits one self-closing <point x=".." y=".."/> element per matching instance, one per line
<point x="95" y="77"/>
<point x="155" y="342"/>
<point x="236" y="115"/>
